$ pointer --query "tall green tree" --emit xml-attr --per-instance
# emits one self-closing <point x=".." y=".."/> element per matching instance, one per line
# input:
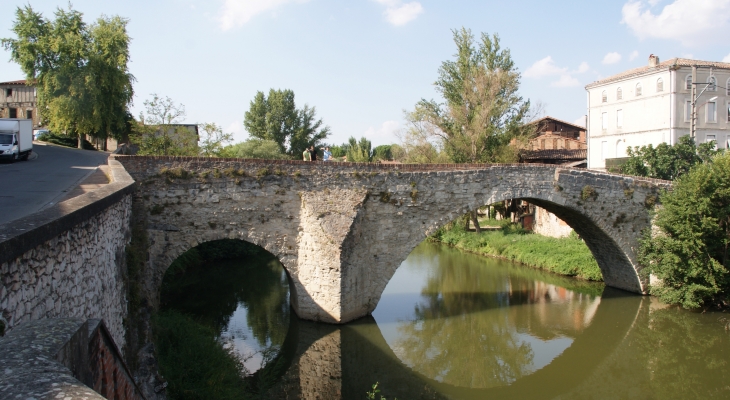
<point x="159" y="132"/>
<point x="689" y="252"/>
<point x="214" y="141"/>
<point x="359" y="151"/>
<point x="275" y="117"/>
<point x="665" y="161"/>
<point x="482" y="109"/>
<point x="80" y="71"/>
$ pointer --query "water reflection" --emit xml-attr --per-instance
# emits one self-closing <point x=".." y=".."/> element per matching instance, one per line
<point x="480" y="323"/>
<point x="247" y="302"/>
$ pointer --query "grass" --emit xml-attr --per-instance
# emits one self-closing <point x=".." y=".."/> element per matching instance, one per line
<point x="565" y="256"/>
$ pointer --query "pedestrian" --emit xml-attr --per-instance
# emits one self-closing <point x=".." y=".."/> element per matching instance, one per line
<point x="306" y="155"/>
<point x="327" y="155"/>
<point x="313" y="153"/>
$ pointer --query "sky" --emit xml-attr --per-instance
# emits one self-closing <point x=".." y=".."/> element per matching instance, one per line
<point x="362" y="63"/>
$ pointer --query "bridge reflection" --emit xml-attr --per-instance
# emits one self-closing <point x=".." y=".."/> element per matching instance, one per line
<point x="333" y="362"/>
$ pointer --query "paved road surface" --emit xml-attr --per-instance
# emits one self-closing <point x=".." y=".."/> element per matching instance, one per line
<point x="29" y="186"/>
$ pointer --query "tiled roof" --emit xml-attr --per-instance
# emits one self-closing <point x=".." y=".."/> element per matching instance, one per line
<point x="560" y="154"/>
<point x="674" y="62"/>
<point x="18" y="82"/>
<point x="578" y="127"/>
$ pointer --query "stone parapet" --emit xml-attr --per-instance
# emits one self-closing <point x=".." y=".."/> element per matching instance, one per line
<point x="69" y="260"/>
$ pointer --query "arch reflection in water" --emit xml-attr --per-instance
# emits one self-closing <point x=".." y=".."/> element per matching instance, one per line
<point x="478" y="322"/>
<point x="239" y="290"/>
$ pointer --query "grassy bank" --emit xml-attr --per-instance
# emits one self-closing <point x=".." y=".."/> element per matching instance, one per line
<point x="565" y="256"/>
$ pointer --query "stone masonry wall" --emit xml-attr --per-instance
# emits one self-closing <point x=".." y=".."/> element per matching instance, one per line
<point x="342" y="229"/>
<point x="548" y="224"/>
<point x="69" y="260"/>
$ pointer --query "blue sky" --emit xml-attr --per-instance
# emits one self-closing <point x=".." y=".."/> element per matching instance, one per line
<point x="362" y="62"/>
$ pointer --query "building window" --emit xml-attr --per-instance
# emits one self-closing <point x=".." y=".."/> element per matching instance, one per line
<point x="29" y="114"/>
<point x="619" y="118"/>
<point x="13" y="113"/>
<point x="728" y="112"/>
<point x="638" y="89"/>
<point x="619" y="94"/>
<point x="688" y="82"/>
<point x="604" y="150"/>
<point x="659" y="85"/>
<point x="604" y="97"/>
<point x="604" y="120"/>
<point x="711" y="111"/>
<point x="712" y="83"/>
<point x="555" y="144"/>
<point x="727" y="87"/>
<point x="687" y="111"/>
<point x="8" y="92"/>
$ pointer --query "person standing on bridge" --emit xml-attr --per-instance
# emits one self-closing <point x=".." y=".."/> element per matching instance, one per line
<point x="327" y="155"/>
<point x="313" y="153"/>
<point x="306" y="155"/>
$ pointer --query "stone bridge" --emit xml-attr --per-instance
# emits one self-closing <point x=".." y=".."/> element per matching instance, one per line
<point x="341" y="230"/>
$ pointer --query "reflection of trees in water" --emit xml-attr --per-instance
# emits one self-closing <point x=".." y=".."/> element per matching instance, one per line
<point x="211" y="292"/>
<point x="686" y="353"/>
<point x="467" y="328"/>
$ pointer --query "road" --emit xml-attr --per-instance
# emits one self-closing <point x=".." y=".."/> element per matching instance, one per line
<point x="29" y="186"/>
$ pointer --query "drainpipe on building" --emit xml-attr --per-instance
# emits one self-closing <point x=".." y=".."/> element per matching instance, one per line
<point x="672" y="76"/>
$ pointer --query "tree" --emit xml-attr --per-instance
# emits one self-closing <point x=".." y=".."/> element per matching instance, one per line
<point x="383" y="152"/>
<point x="665" y="161"/>
<point x="276" y="118"/>
<point x="483" y="110"/>
<point x="79" y="71"/>
<point x="214" y="141"/>
<point x="689" y="253"/>
<point x="255" y="148"/>
<point x="159" y="133"/>
<point x="359" y="151"/>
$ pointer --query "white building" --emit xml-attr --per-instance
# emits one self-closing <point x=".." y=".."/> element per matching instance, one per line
<point x="652" y="105"/>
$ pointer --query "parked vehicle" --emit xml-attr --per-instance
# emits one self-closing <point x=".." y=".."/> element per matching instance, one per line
<point x="16" y="138"/>
<point x="40" y="132"/>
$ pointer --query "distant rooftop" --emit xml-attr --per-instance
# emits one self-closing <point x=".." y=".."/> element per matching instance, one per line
<point x="672" y="63"/>
<point x="18" y="82"/>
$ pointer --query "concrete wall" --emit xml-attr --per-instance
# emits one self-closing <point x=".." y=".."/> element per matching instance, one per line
<point x="342" y="229"/>
<point x="69" y="260"/>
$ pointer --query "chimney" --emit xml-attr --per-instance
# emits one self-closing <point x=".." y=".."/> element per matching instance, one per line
<point x="653" y="60"/>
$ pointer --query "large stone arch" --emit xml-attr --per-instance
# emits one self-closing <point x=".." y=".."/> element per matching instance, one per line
<point x="342" y="229"/>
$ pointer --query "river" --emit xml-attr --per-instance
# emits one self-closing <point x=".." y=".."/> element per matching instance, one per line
<point x="461" y="326"/>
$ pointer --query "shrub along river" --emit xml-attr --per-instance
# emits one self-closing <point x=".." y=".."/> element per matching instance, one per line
<point x="449" y="325"/>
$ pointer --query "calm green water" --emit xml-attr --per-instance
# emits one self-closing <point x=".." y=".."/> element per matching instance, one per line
<point x="455" y="325"/>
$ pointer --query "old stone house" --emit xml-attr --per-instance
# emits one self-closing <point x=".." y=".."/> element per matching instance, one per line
<point x="18" y="100"/>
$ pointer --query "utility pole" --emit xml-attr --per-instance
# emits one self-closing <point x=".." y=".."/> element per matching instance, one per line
<point x="693" y="114"/>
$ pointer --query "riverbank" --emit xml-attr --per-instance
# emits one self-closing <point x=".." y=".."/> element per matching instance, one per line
<point x="565" y="256"/>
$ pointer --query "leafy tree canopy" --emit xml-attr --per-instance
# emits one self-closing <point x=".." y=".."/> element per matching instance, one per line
<point x="665" y="161"/>
<point x="689" y="254"/>
<point x="277" y="119"/>
<point x="359" y="151"/>
<point x="482" y="111"/>
<point x="159" y="131"/>
<point x="255" y="148"/>
<point x="80" y="71"/>
<point x="214" y="140"/>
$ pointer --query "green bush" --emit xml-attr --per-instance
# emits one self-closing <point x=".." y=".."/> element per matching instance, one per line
<point x="689" y="254"/>
<point x="68" y="141"/>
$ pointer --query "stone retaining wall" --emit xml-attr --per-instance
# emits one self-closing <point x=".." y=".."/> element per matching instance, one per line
<point x="69" y="260"/>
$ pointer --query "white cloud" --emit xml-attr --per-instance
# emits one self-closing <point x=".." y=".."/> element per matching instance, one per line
<point x="580" y="121"/>
<point x="688" y="55"/>
<point x="633" y="55"/>
<point x="726" y="59"/>
<point x="384" y="134"/>
<point x="399" y="14"/>
<point x="235" y="13"/>
<point x="544" y="67"/>
<point x="611" y="58"/>
<point x="565" y="81"/>
<point x="690" y="22"/>
<point x="583" y="67"/>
